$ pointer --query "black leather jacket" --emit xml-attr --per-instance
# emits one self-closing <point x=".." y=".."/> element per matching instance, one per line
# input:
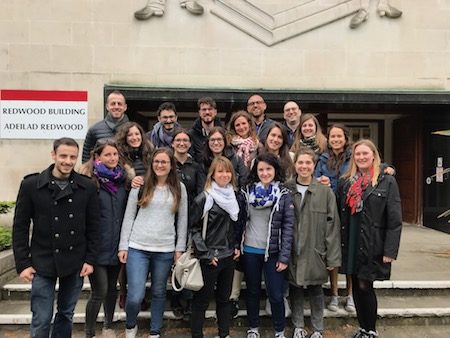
<point x="222" y="234"/>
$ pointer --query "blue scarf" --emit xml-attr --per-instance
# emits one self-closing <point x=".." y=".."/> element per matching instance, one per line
<point x="109" y="179"/>
<point x="261" y="197"/>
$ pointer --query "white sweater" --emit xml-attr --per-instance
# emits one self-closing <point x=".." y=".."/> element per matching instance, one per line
<point x="153" y="229"/>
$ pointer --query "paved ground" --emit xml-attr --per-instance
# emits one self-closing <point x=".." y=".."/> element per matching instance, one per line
<point x="346" y="331"/>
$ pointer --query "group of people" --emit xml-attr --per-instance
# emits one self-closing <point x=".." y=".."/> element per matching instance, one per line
<point x="259" y="199"/>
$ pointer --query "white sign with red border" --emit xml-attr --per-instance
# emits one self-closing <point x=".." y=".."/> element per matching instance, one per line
<point x="43" y="114"/>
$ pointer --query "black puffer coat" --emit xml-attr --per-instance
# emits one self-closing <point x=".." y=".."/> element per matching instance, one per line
<point x="380" y="228"/>
<point x="101" y="129"/>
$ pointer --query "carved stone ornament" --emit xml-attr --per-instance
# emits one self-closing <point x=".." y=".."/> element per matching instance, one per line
<point x="158" y="7"/>
<point x="273" y="21"/>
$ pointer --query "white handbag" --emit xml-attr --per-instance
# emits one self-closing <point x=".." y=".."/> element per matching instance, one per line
<point x="187" y="272"/>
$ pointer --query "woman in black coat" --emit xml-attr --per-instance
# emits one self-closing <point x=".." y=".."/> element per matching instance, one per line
<point x="371" y="220"/>
<point x="110" y="177"/>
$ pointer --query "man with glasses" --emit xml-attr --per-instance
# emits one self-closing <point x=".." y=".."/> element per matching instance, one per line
<point x="291" y="115"/>
<point x="64" y="210"/>
<point x="116" y="107"/>
<point x="207" y="110"/>
<point x="162" y="133"/>
<point x="257" y="108"/>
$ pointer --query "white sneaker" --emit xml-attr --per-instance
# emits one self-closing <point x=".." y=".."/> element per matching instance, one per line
<point x="350" y="305"/>
<point x="334" y="304"/>
<point x="108" y="333"/>
<point x="131" y="333"/>
<point x="252" y="334"/>
<point x="372" y="334"/>
<point x="154" y="336"/>
<point x="300" y="333"/>
<point x="316" y="334"/>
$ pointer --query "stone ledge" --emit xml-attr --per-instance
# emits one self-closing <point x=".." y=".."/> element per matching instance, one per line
<point x="7" y="266"/>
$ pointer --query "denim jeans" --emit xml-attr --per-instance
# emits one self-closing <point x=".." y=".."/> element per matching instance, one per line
<point x="103" y="290"/>
<point x="217" y="281"/>
<point x="254" y="265"/>
<point x="316" y="301"/>
<point x="139" y="264"/>
<point x="42" y="299"/>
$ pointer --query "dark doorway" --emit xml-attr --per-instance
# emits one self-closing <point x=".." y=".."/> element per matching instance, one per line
<point x="334" y="106"/>
<point x="436" y="195"/>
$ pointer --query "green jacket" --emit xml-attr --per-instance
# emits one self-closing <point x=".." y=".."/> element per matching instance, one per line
<point x="317" y="242"/>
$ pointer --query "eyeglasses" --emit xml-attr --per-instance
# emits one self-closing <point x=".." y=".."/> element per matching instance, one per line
<point x="218" y="140"/>
<point x="158" y="162"/>
<point x="180" y="140"/>
<point x="170" y="117"/>
<point x="254" y="102"/>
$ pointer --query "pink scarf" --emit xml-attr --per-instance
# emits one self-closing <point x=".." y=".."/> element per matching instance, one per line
<point x="245" y="148"/>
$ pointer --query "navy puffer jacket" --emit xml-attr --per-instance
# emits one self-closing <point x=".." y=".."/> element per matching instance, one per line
<point x="281" y="228"/>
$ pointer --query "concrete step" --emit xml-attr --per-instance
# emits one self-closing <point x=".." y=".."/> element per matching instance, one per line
<point x="393" y="308"/>
<point x="15" y="289"/>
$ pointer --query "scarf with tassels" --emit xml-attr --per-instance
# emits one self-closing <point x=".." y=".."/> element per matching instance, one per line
<point x="244" y="148"/>
<point x="359" y="184"/>
<point x="109" y="179"/>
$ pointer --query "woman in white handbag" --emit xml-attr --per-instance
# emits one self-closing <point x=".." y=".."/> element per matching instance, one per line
<point x="217" y="246"/>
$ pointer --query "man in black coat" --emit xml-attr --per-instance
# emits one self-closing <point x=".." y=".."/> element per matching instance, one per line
<point x="116" y="107"/>
<point x="63" y="207"/>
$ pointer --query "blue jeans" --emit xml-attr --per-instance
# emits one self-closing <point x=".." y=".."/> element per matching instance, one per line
<point x="254" y="265"/>
<point x="139" y="264"/>
<point x="42" y="298"/>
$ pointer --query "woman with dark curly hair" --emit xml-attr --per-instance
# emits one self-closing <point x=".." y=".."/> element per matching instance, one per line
<point x="135" y="150"/>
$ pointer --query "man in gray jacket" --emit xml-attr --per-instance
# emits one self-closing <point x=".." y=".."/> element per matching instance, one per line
<point x="116" y="107"/>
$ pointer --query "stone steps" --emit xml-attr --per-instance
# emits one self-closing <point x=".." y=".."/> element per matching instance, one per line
<point x="399" y="301"/>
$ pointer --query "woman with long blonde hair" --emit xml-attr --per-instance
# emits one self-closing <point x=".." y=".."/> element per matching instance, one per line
<point x="371" y="219"/>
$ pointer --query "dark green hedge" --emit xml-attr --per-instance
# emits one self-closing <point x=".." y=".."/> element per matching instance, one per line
<point x="5" y="238"/>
